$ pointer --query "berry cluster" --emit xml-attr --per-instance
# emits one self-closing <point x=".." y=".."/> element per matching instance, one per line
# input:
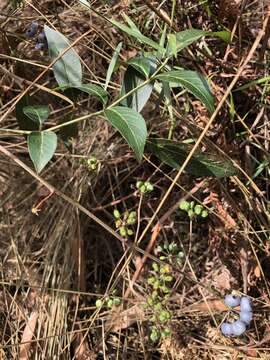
<point x="124" y="222"/>
<point x="31" y="31"/>
<point x="144" y="186"/>
<point x="193" y="209"/>
<point x="238" y="327"/>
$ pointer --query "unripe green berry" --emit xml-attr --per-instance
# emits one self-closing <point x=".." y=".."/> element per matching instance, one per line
<point x="130" y="232"/>
<point x="98" y="303"/>
<point x="198" y="209"/>
<point x="116" y="214"/>
<point x="204" y="214"/>
<point x="139" y="184"/>
<point x="184" y="205"/>
<point x="110" y="303"/>
<point x="123" y="231"/>
<point x="190" y="213"/>
<point x="143" y="189"/>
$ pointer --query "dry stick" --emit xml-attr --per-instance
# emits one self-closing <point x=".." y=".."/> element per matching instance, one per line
<point x="155" y="233"/>
<point x="52" y="189"/>
<point x="219" y="106"/>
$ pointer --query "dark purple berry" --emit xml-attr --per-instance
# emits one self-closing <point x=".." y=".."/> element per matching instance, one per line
<point x="32" y="29"/>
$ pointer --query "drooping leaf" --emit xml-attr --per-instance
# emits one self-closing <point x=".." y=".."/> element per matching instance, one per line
<point x="112" y="64"/>
<point x="194" y="82"/>
<point x="90" y="89"/>
<point x="37" y="113"/>
<point x="137" y="35"/>
<point x="41" y="147"/>
<point x="201" y="164"/>
<point x="24" y="122"/>
<point x="131" y="126"/>
<point x="138" y="98"/>
<point x="67" y="70"/>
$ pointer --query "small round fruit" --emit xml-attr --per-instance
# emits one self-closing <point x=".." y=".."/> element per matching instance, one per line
<point x="245" y="304"/>
<point x="246" y="316"/>
<point x="226" y="329"/>
<point x="231" y="300"/>
<point x="184" y="205"/>
<point x="238" y="328"/>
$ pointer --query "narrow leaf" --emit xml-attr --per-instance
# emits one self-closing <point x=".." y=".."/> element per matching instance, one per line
<point x="137" y="35"/>
<point x="112" y="64"/>
<point x="37" y="113"/>
<point x="185" y="38"/>
<point x="41" y="147"/>
<point x="67" y="70"/>
<point x="139" y="97"/>
<point x="195" y="83"/>
<point x="201" y="164"/>
<point x="131" y="126"/>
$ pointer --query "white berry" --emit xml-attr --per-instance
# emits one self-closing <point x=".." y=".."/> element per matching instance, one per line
<point x="232" y="301"/>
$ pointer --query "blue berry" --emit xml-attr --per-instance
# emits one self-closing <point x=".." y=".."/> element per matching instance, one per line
<point x="238" y="328"/>
<point x="226" y="329"/>
<point x="246" y="316"/>
<point x="39" y="46"/>
<point x="32" y="30"/>
<point x="245" y="304"/>
<point x="232" y="301"/>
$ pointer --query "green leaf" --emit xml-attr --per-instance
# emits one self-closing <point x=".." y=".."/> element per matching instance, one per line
<point x="201" y="164"/>
<point x="194" y="82"/>
<point x="67" y="70"/>
<point x="41" y="147"/>
<point x="94" y="90"/>
<point x="112" y="64"/>
<point x="90" y="89"/>
<point x="137" y="35"/>
<point x="139" y="97"/>
<point x="141" y="64"/>
<point x="37" y="113"/>
<point x="131" y="126"/>
<point x="185" y="38"/>
<point x="24" y="122"/>
<point x="223" y="35"/>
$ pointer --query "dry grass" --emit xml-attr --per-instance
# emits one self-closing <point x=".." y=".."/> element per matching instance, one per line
<point x="55" y="266"/>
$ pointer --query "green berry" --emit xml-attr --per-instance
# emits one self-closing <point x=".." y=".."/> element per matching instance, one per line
<point x="123" y="231"/>
<point x="166" y="332"/>
<point x="204" y="214"/>
<point x="192" y="203"/>
<point x="184" y="205"/>
<point x="155" y="267"/>
<point x="168" y="278"/>
<point x="130" y="232"/>
<point x="151" y="280"/>
<point x="131" y="221"/>
<point x="154" y="336"/>
<point x="139" y="184"/>
<point x="190" y="213"/>
<point x="110" y="303"/>
<point x="98" y="303"/>
<point x="116" y="301"/>
<point x="149" y="186"/>
<point x="143" y="189"/>
<point x="198" y="209"/>
<point x="116" y="214"/>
